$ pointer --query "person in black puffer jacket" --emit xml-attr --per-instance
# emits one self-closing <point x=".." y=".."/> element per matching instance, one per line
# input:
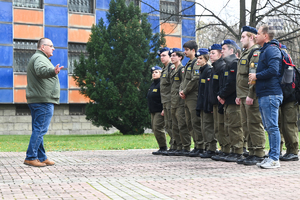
<point x="207" y="119"/>
<point x="155" y="107"/>
<point x="218" y="65"/>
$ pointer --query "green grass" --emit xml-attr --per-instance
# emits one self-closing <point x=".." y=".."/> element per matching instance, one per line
<point x="116" y="141"/>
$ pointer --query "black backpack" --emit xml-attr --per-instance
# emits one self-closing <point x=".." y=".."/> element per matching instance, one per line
<point x="290" y="81"/>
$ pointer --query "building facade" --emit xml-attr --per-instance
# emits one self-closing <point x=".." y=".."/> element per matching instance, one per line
<point x="68" y="24"/>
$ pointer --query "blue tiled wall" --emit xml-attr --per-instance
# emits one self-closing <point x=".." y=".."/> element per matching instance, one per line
<point x="63" y="78"/>
<point x="63" y="96"/>
<point x="59" y="36"/>
<point x="102" y="4"/>
<point x="99" y="14"/>
<point x="52" y="13"/>
<point x="189" y="11"/>
<point x="147" y="9"/>
<point x="60" y="56"/>
<point x="5" y="11"/>
<point x="6" y="77"/>
<point x="6" y="36"/>
<point x="60" y="2"/>
<point x="188" y="27"/>
<point x="6" y="96"/>
<point x="154" y="21"/>
<point x="6" y="58"/>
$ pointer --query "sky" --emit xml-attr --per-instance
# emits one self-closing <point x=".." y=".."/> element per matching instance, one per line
<point x="231" y="11"/>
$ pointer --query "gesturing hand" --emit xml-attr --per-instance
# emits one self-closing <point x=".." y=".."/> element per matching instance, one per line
<point x="57" y="68"/>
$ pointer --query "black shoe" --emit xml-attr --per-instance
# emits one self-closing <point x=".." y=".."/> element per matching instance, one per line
<point x="242" y="158"/>
<point x="245" y="152"/>
<point x="207" y="154"/>
<point x="173" y="153"/>
<point x="195" y="152"/>
<point x="253" y="160"/>
<point x="160" y="151"/>
<point x="233" y="157"/>
<point x="166" y="153"/>
<point x="183" y="152"/>
<point x="220" y="157"/>
<point x="289" y="157"/>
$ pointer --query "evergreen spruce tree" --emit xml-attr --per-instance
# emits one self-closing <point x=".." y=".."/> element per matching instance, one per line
<point x="116" y="76"/>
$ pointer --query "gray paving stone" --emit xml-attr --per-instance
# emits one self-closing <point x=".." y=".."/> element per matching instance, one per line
<point x="137" y="174"/>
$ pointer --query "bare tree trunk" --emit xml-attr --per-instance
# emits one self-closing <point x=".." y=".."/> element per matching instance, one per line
<point x="242" y="14"/>
<point x="253" y="13"/>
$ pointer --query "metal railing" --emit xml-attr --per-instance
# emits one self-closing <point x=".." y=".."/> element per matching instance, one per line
<point x="28" y="3"/>
<point x="23" y="50"/>
<point x="82" y="6"/>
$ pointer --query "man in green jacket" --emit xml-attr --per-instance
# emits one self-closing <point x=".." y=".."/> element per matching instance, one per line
<point x="42" y="92"/>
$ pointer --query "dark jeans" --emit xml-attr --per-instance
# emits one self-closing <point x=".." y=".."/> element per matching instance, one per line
<point x="41" y="114"/>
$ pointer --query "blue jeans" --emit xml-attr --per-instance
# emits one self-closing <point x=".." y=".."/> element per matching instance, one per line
<point x="268" y="107"/>
<point x="41" y="114"/>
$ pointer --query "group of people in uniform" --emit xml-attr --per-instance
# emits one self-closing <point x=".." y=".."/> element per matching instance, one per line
<point x="212" y="101"/>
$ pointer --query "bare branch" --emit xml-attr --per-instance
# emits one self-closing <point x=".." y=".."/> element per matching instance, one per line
<point x="203" y="27"/>
<point x="220" y="20"/>
<point x="283" y="36"/>
<point x="259" y="18"/>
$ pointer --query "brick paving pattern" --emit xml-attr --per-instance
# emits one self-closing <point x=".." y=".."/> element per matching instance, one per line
<point x="137" y="174"/>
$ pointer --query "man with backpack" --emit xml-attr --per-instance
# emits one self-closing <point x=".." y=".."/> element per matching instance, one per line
<point x="269" y="92"/>
<point x="254" y="133"/>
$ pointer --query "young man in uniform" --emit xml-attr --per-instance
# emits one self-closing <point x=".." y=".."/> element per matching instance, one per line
<point x="218" y="65"/>
<point x="189" y="91"/>
<point x="232" y="112"/>
<point x="204" y="109"/>
<point x="179" y="127"/>
<point x="269" y="91"/>
<point x="253" y="129"/>
<point x="288" y="116"/>
<point x="165" y="92"/>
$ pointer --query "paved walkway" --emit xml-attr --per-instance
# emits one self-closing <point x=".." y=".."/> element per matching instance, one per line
<point x="137" y="174"/>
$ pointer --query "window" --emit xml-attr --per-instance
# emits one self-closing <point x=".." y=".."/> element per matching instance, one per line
<point x="82" y="6"/>
<point x="74" y="52"/>
<point x="171" y="7"/>
<point x="23" y="50"/>
<point x="28" y="3"/>
<point x="77" y="109"/>
<point x="22" y="109"/>
<point x="135" y="2"/>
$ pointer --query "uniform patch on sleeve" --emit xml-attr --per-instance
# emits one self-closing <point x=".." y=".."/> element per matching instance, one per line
<point x="154" y="90"/>
<point x="164" y="75"/>
<point x="232" y="70"/>
<point x="196" y="72"/>
<point x="189" y="69"/>
<point x="208" y="79"/>
<point x="216" y="77"/>
<point x="226" y="73"/>
<point x="203" y="80"/>
<point x="243" y="62"/>
<point x="176" y="78"/>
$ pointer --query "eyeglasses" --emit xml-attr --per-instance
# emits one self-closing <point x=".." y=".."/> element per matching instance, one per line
<point x="51" y="46"/>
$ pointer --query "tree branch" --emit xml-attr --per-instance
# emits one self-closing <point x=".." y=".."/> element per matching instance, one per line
<point x="220" y="20"/>
<point x="259" y="18"/>
<point x="203" y="27"/>
<point x="283" y="36"/>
